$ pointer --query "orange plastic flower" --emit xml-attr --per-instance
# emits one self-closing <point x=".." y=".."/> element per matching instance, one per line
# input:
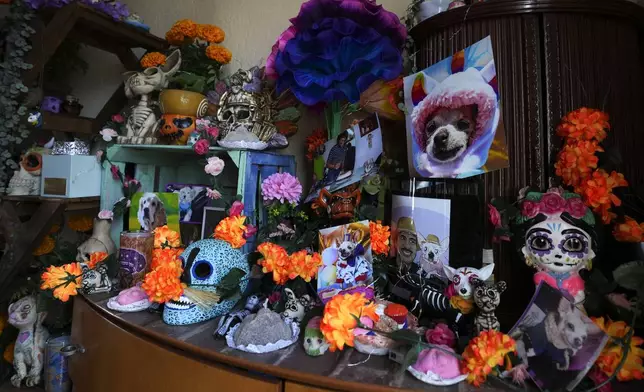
<point x="164" y="237"/>
<point x="379" y="238"/>
<point x="231" y="230"/>
<point x="629" y="230"/>
<point x="153" y="59"/>
<point x="314" y="142"/>
<point x="80" y="223"/>
<point x="8" y="352"/>
<point x="275" y="260"/>
<point x="46" y="246"/>
<point x="210" y="33"/>
<point x="219" y="54"/>
<point x="175" y="37"/>
<point x="339" y="319"/>
<point x="584" y="124"/>
<point x="597" y="192"/>
<point x="163" y="283"/>
<point x="612" y="354"/>
<point x="165" y="256"/>
<point x="64" y="280"/>
<point x="187" y="27"/>
<point x="96" y="258"/>
<point x="304" y="265"/>
<point x="576" y="161"/>
<point x="54" y="229"/>
<point x="485" y="352"/>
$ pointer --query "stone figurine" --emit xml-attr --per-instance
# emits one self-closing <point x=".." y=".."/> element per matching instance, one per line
<point x="100" y="241"/>
<point x="558" y="240"/>
<point x="29" y="351"/>
<point x="264" y="327"/>
<point x="95" y="280"/>
<point x="487" y="298"/>
<point x="142" y="123"/>
<point x="231" y="319"/>
<point x="26" y="180"/>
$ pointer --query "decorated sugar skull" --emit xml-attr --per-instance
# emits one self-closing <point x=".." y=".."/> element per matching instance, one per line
<point x="558" y="239"/>
<point x="205" y="264"/>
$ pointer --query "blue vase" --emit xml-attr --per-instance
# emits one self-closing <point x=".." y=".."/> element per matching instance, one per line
<point x="56" y="369"/>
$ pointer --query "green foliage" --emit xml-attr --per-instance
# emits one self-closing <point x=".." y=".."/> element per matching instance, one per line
<point x="189" y="82"/>
<point x="229" y="284"/>
<point x="12" y="91"/>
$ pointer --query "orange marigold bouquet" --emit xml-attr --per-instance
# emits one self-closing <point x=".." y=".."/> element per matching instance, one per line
<point x="153" y="59"/>
<point x="341" y="315"/>
<point x="612" y="354"/>
<point x="232" y="229"/>
<point x="275" y="259"/>
<point x="485" y="352"/>
<point x="202" y="56"/>
<point x="379" y="235"/>
<point x="163" y="282"/>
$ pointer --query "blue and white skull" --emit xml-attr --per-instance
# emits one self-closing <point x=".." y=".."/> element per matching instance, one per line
<point x="205" y="263"/>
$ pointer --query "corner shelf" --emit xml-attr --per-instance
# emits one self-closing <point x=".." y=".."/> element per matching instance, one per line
<point x="66" y="123"/>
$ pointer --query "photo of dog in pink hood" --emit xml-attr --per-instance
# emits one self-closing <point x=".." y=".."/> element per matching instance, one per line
<point x="453" y="114"/>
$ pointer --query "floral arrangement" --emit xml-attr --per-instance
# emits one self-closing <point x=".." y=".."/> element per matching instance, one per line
<point x="153" y="59"/>
<point x="163" y="283"/>
<point x="282" y="187"/>
<point x="612" y="354"/>
<point x="114" y="9"/>
<point x="379" y="236"/>
<point x="341" y="315"/>
<point x="208" y="135"/>
<point x="65" y="280"/>
<point x="315" y="143"/>
<point x="284" y="267"/>
<point x="202" y="56"/>
<point x="484" y="353"/>
<point x="234" y="229"/>
<point x="577" y="164"/>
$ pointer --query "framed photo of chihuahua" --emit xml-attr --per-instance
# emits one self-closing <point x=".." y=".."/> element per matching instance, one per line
<point x="454" y="127"/>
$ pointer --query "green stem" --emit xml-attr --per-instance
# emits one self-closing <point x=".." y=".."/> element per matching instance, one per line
<point x="333" y="116"/>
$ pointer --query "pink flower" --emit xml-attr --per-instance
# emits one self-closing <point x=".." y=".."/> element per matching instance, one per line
<point x="274" y="297"/>
<point x="495" y="217"/>
<point x="576" y="207"/>
<point x="99" y="155"/>
<point x="499" y="238"/>
<point x="108" y="134"/>
<point x="202" y="123"/>
<point x="282" y="187"/>
<point x="619" y="299"/>
<point x="117" y="118"/>
<point x="106" y="214"/>
<point x="519" y="374"/>
<point x="441" y="334"/>
<point x="598" y="377"/>
<point x="215" y="166"/>
<point x="552" y="203"/>
<point x="201" y="147"/>
<point x="213" y="194"/>
<point x="213" y="132"/>
<point x="236" y="209"/>
<point x="115" y="172"/>
<point x="250" y="231"/>
<point x="529" y="209"/>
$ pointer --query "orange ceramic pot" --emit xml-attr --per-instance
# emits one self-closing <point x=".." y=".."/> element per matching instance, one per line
<point x="185" y="103"/>
<point x="176" y="128"/>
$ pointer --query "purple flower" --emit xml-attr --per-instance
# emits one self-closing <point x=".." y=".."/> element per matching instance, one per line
<point x="335" y="49"/>
<point x="282" y="187"/>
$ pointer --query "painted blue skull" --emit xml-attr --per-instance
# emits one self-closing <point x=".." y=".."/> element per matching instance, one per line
<point x="205" y="263"/>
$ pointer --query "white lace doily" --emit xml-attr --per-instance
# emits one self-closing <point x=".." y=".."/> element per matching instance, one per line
<point x="435" y="379"/>
<point x="267" y="348"/>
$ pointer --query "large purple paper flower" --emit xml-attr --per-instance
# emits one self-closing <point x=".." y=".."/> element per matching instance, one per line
<point x="282" y="187"/>
<point x="335" y="49"/>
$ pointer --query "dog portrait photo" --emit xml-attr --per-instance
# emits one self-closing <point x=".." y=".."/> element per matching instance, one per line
<point x="150" y="210"/>
<point x="556" y="340"/>
<point x="192" y="200"/>
<point x="420" y="229"/>
<point x="453" y="120"/>
<point x="346" y="257"/>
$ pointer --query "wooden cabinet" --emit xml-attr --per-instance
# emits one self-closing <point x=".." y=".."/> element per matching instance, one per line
<point x="295" y="387"/>
<point x="117" y="360"/>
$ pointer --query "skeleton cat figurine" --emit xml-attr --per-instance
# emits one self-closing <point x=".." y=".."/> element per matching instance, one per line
<point x="487" y="299"/>
<point x="29" y="351"/>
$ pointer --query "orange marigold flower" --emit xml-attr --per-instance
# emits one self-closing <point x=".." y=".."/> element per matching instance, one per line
<point x="80" y="223"/>
<point x="275" y="260"/>
<point x="219" y="54"/>
<point x="304" y="265"/>
<point x="8" y="352"/>
<point x="379" y="237"/>
<point x="597" y="192"/>
<point x="339" y="319"/>
<point x="629" y="231"/>
<point x="187" y="27"/>
<point x="584" y="124"/>
<point x="612" y="354"/>
<point x="314" y="142"/>
<point x="54" y="229"/>
<point x="46" y="246"/>
<point x="163" y="283"/>
<point x="164" y="237"/>
<point x="231" y="230"/>
<point x="153" y="59"/>
<point x="175" y="37"/>
<point x="576" y="161"/>
<point x="210" y="33"/>
<point x="96" y="258"/>
<point x="64" y="280"/>
<point x="485" y="352"/>
<point x="166" y="256"/>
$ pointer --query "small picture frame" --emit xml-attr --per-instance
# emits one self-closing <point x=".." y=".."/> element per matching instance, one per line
<point x="211" y="218"/>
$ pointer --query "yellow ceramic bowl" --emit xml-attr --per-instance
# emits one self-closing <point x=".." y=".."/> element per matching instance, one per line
<point x="185" y="103"/>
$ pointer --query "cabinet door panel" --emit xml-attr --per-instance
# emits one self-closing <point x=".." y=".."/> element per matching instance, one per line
<point x="295" y="387"/>
<point x="117" y="360"/>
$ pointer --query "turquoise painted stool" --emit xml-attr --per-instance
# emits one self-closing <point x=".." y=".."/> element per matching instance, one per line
<point x="159" y="165"/>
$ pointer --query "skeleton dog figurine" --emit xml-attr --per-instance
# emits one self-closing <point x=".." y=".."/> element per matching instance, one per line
<point x="28" y="354"/>
<point x="142" y="122"/>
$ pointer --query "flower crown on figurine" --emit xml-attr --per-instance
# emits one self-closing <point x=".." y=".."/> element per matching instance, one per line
<point x="554" y="202"/>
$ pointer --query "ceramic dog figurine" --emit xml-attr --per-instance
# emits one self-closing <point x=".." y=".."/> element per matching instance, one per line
<point x="487" y="298"/>
<point x="462" y="278"/>
<point x="29" y="351"/>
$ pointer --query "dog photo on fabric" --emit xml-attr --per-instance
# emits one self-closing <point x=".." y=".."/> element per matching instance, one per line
<point x="154" y="209"/>
<point x="556" y="340"/>
<point x="454" y="127"/>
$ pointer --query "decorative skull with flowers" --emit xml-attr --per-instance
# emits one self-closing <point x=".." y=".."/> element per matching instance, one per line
<point x="558" y="239"/>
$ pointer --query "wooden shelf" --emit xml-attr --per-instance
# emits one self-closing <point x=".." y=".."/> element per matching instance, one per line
<point x="67" y="123"/>
<point x="167" y="148"/>
<point x="70" y="204"/>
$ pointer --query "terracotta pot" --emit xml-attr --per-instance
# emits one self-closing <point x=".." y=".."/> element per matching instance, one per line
<point x="185" y="103"/>
<point x="176" y="128"/>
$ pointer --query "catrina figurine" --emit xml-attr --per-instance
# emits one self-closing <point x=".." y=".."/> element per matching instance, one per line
<point x="314" y="342"/>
